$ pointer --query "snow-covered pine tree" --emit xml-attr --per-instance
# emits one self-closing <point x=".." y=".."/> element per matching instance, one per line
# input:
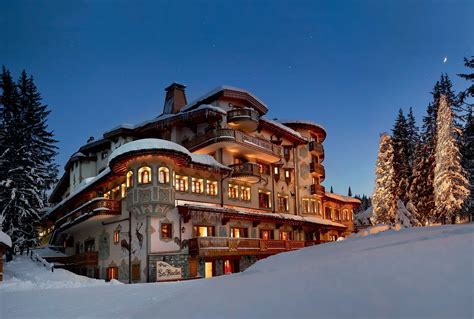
<point x="413" y="137"/>
<point x="401" y="157"/>
<point x="467" y="152"/>
<point x="421" y="192"/>
<point x="24" y="162"/>
<point x="384" y="202"/>
<point x="469" y="92"/>
<point x="451" y="186"/>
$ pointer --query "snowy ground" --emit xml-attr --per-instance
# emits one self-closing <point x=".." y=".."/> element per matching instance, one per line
<point x="412" y="273"/>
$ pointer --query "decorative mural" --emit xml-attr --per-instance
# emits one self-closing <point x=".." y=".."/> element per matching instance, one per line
<point x="139" y="235"/>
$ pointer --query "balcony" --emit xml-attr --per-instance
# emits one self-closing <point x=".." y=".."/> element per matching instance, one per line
<point x="316" y="148"/>
<point x="88" y="258"/>
<point x="235" y="141"/>
<point x="317" y="170"/>
<point x="225" y="246"/>
<point x="317" y="190"/>
<point x="99" y="206"/>
<point x="246" y="120"/>
<point x="246" y="172"/>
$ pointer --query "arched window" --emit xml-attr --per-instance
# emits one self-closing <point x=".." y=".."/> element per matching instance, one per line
<point x="129" y="179"/>
<point x="163" y="175"/>
<point x="144" y="175"/>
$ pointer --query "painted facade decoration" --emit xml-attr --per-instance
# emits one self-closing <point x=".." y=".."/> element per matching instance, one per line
<point x="205" y="189"/>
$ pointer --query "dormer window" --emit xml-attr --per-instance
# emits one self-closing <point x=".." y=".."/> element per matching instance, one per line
<point x="129" y="180"/>
<point x="163" y="175"/>
<point x="144" y="175"/>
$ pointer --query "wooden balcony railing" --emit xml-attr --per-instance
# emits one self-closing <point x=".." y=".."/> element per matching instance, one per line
<point x="317" y="190"/>
<point x="246" y="170"/>
<point x="89" y="258"/>
<point x="223" y="135"/>
<point x="94" y="207"/>
<point x="317" y="169"/>
<point x="242" y="114"/>
<point x="316" y="148"/>
<point x="222" y="246"/>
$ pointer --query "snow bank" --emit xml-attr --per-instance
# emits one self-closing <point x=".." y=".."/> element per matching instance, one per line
<point x="5" y="239"/>
<point x="412" y="273"/>
<point x="371" y="231"/>
<point x="48" y="252"/>
<point x="22" y="274"/>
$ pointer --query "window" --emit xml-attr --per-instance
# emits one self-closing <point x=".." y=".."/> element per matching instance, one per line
<point x="231" y="266"/>
<point x="123" y="190"/>
<point x="264" y="169"/>
<point x="112" y="273"/>
<point x="287" y="176"/>
<point x="276" y="173"/>
<point x="163" y="175"/>
<point x="144" y="175"/>
<point x="197" y="185"/>
<point x="204" y="231"/>
<point x="212" y="188"/>
<point x="264" y="200"/>
<point x="116" y="235"/>
<point x="306" y="208"/>
<point x="266" y="234"/>
<point x="314" y="207"/>
<point x="116" y="193"/>
<point x="166" y="231"/>
<point x="208" y="269"/>
<point x="238" y="232"/>
<point x="327" y="212"/>
<point x="283" y="203"/>
<point x="89" y="245"/>
<point x="129" y="181"/>
<point x="181" y="183"/>
<point x="105" y="155"/>
<point x="136" y="272"/>
<point x="286" y="152"/>
<point x="233" y="191"/>
<point x="285" y="235"/>
<point x="245" y="193"/>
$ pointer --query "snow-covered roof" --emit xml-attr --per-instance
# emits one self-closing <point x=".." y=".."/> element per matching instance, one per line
<point x="281" y="126"/>
<point x="159" y="144"/>
<point x="305" y="122"/>
<point x="342" y="198"/>
<point x="216" y="90"/>
<point x="147" y="144"/>
<point x="5" y="239"/>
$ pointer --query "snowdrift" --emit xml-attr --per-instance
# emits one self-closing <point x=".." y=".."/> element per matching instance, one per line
<point x="411" y="273"/>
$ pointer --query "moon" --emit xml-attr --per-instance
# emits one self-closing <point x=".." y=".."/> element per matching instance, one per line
<point x="445" y="59"/>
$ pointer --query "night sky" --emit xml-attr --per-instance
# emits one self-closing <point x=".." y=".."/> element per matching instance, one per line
<point x="348" y="65"/>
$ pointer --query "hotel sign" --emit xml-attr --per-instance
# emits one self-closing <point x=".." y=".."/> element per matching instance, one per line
<point x="165" y="271"/>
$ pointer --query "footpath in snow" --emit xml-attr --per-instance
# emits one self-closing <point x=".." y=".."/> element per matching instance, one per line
<point x="411" y="273"/>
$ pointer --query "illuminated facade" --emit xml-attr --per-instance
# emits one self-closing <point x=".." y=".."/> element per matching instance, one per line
<point x="207" y="188"/>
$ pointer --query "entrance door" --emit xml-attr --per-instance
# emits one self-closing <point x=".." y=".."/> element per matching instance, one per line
<point x="208" y="269"/>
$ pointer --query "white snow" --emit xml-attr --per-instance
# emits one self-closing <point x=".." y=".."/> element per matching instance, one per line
<point x="282" y="126"/>
<point x="342" y="197"/>
<point x="5" y="239"/>
<point x="24" y="274"/>
<point x="207" y="160"/>
<point x="48" y="252"/>
<point x="411" y="273"/>
<point x="306" y="122"/>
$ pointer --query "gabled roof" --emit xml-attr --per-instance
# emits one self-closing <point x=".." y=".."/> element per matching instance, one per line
<point x="342" y="198"/>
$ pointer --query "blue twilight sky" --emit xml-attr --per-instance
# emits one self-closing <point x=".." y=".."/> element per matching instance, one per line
<point x="348" y="65"/>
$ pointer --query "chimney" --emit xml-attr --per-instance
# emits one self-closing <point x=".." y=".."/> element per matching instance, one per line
<point x="175" y="98"/>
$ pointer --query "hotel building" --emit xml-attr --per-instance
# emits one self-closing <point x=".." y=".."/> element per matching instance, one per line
<point x="204" y="189"/>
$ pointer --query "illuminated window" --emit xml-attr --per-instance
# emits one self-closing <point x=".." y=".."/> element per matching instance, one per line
<point x="245" y="193"/>
<point x="204" y="231"/>
<point x="129" y="181"/>
<point x="166" y="231"/>
<point x="116" y="235"/>
<point x="287" y="174"/>
<point x="306" y="208"/>
<point x="116" y="193"/>
<point x="276" y="173"/>
<point x="283" y="205"/>
<point x="264" y="169"/>
<point x="107" y="195"/>
<point x="123" y="190"/>
<point x="112" y="273"/>
<point x="144" y="175"/>
<point x="163" y="175"/>
<point x="285" y="235"/>
<point x="264" y="199"/>
<point x="197" y="185"/>
<point x="233" y="191"/>
<point x="327" y="212"/>
<point x="212" y="188"/>
<point x="314" y="204"/>
<point x="266" y="234"/>
<point x="238" y="232"/>
<point x="208" y="269"/>
<point x="181" y="183"/>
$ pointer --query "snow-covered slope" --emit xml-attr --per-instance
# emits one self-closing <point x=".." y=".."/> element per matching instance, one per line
<point x="411" y="273"/>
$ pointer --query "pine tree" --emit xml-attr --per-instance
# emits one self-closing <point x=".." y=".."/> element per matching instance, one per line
<point x="450" y="183"/>
<point x="469" y="92"/>
<point x="401" y="157"/>
<point x="26" y="161"/>
<point x="467" y="152"/>
<point x="349" y="192"/>
<point x="413" y="137"/>
<point x="331" y="190"/>
<point x="384" y="202"/>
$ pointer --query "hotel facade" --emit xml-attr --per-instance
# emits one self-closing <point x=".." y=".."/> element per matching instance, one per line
<point x="206" y="188"/>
